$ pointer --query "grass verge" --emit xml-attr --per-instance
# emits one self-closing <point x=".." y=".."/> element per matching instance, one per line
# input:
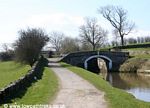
<point x="138" y="49"/>
<point x="116" y="98"/>
<point x="11" y="71"/>
<point x="144" y="56"/>
<point x="42" y="91"/>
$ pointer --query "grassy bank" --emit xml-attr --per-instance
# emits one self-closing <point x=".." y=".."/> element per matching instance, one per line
<point x="42" y="91"/>
<point x="144" y="56"/>
<point x="139" y="52"/>
<point x="116" y="98"/>
<point x="138" y="49"/>
<point x="135" y="64"/>
<point x="11" y="71"/>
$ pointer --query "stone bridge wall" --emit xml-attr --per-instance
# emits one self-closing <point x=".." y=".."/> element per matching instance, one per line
<point x="78" y="58"/>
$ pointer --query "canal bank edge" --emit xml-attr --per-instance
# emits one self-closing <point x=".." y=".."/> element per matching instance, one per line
<point x="139" y="65"/>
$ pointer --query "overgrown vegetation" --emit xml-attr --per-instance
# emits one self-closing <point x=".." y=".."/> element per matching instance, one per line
<point x="116" y="98"/>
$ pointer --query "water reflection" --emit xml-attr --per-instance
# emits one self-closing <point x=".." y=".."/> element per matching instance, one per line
<point x="137" y="84"/>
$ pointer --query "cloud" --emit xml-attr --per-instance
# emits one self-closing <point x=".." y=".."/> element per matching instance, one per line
<point x="69" y="24"/>
<point x="62" y="22"/>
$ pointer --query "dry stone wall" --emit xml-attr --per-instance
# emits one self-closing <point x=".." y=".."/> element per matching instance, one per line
<point x="8" y="92"/>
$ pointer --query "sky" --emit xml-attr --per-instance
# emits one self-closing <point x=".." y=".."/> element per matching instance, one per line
<point x="66" y="16"/>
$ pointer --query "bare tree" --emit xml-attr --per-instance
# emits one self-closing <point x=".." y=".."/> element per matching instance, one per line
<point x="84" y="46"/>
<point x="92" y="33"/>
<point x="117" y="16"/>
<point x="29" y="45"/>
<point x="5" y="47"/>
<point x="69" y="45"/>
<point x="56" y="39"/>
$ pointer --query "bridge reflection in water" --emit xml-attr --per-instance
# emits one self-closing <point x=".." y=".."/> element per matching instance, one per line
<point x="136" y="84"/>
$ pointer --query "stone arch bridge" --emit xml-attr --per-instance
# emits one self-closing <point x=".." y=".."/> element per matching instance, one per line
<point x="88" y="58"/>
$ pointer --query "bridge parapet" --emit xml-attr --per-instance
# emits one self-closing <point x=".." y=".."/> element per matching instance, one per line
<point x="79" y="58"/>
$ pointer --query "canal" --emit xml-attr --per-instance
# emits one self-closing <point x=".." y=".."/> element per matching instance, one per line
<point x="136" y="84"/>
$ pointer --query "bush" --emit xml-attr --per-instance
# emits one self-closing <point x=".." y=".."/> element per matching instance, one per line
<point x="29" y="45"/>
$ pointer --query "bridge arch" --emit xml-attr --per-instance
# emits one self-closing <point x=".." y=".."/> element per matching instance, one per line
<point x="98" y="56"/>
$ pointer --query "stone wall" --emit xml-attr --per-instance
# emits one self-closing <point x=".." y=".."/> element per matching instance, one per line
<point x="9" y="92"/>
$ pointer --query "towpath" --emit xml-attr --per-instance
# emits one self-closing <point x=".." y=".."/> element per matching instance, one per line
<point x="75" y="92"/>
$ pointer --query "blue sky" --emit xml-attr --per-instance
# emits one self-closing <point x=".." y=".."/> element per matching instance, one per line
<point x="65" y="15"/>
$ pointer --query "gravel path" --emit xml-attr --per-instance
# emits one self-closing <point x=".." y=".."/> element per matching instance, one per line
<point x="76" y="92"/>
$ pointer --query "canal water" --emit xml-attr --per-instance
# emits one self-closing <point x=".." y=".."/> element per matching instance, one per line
<point x="136" y="84"/>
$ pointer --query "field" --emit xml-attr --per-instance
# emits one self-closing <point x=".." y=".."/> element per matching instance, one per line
<point x="11" y="71"/>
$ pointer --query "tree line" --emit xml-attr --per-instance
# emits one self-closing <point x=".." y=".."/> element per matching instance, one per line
<point x="128" y="41"/>
<point x="137" y="40"/>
